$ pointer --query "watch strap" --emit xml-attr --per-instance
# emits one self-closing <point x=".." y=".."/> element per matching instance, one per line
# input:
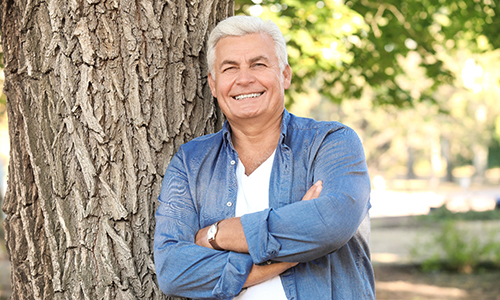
<point x="211" y="240"/>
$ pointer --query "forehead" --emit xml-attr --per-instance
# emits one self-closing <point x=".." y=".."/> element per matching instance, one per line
<point x="245" y="47"/>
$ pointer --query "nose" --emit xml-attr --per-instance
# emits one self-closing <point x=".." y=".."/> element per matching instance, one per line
<point x="245" y="76"/>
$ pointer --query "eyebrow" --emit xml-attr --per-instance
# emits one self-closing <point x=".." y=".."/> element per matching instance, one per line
<point x="260" y="57"/>
<point x="228" y="62"/>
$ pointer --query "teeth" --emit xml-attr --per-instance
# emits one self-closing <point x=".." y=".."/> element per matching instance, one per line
<point x="241" y="97"/>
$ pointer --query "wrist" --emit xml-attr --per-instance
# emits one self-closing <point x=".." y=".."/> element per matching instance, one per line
<point x="212" y="235"/>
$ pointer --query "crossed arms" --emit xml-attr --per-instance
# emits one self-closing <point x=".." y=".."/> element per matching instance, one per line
<point x="231" y="237"/>
<point x="298" y="232"/>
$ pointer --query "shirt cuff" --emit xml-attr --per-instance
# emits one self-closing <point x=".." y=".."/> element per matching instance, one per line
<point x="233" y="276"/>
<point x="262" y="246"/>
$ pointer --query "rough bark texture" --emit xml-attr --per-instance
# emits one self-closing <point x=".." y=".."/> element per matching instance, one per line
<point x="100" y="95"/>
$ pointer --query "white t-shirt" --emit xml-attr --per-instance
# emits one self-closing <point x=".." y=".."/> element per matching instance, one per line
<point x="253" y="196"/>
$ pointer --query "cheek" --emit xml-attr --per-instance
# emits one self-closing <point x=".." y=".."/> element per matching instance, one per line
<point x="223" y="88"/>
<point x="220" y="103"/>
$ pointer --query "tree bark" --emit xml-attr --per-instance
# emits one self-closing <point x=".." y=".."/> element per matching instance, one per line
<point x="101" y="93"/>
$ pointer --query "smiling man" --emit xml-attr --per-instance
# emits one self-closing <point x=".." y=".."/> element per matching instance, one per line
<point x="273" y="206"/>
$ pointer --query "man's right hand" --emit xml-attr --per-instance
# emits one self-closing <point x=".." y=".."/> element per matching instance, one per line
<point x="259" y="274"/>
<point x="314" y="191"/>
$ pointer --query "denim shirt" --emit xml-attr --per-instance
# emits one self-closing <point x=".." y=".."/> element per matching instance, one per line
<point x="328" y="236"/>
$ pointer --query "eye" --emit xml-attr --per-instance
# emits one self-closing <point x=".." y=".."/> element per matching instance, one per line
<point x="227" y="69"/>
<point x="259" y="65"/>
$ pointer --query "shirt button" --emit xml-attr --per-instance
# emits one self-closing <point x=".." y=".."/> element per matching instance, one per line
<point x="233" y="162"/>
<point x="229" y="204"/>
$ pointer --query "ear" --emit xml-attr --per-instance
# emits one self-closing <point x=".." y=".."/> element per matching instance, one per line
<point x="287" y="77"/>
<point x="211" y="83"/>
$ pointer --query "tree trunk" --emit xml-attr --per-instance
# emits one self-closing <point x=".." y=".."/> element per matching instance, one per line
<point x="448" y="158"/>
<point x="410" y="173"/>
<point x="101" y="93"/>
<point x="480" y="161"/>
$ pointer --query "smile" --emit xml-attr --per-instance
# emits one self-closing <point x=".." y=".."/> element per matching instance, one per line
<point x="246" y="96"/>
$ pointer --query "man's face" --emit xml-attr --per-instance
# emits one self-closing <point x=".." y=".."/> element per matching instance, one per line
<point x="247" y="80"/>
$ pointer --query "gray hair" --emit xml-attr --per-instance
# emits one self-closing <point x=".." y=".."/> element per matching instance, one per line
<point x="243" y="25"/>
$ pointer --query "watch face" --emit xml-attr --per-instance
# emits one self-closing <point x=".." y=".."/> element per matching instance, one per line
<point x="211" y="232"/>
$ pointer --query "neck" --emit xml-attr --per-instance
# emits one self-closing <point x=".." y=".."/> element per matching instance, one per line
<point x="255" y="142"/>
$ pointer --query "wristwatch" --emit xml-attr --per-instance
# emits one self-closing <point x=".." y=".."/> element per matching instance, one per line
<point x="212" y="232"/>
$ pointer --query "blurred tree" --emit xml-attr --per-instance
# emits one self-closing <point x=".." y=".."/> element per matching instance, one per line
<point x="397" y="55"/>
<point x="340" y="47"/>
<point x="3" y="99"/>
<point x="320" y="37"/>
<point x="439" y="142"/>
<point x="473" y="105"/>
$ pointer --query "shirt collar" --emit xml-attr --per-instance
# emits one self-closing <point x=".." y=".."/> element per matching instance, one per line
<point x="284" y="125"/>
<point x="226" y="133"/>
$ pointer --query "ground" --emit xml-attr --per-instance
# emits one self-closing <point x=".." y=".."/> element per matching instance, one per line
<point x="394" y="232"/>
<point x="398" y="276"/>
<point x="406" y="282"/>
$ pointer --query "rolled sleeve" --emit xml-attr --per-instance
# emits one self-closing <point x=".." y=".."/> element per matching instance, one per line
<point x="234" y="275"/>
<point x="262" y="245"/>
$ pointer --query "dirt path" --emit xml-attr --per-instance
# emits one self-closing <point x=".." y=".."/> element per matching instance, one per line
<point x="397" y="277"/>
<point x="400" y="282"/>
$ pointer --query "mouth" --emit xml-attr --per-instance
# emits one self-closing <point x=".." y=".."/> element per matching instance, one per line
<point x="246" y="96"/>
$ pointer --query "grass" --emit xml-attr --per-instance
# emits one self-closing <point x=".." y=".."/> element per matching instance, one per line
<point x="461" y="242"/>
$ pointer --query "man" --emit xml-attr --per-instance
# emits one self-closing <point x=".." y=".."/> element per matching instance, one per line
<point x="272" y="206"/>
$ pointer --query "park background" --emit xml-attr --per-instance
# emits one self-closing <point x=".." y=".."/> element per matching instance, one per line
<point x="419" y="81"/>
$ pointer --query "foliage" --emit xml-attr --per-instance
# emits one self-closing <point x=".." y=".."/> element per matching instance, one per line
<point x="496" y="134"/>
<point x="427" y="27"/>
<point x="340" y="47"/>
<point x="3" y="103"/>
<point x="456" y="248"/>
<point x="320" y="36"/>
<point x="494" y="155"/>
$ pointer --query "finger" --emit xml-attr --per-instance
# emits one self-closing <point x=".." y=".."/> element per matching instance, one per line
<point x="317" y="191"/>
<point x="314" y="191"/>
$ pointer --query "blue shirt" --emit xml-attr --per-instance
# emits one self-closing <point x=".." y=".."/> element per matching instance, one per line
<point x="328" y="235"/>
